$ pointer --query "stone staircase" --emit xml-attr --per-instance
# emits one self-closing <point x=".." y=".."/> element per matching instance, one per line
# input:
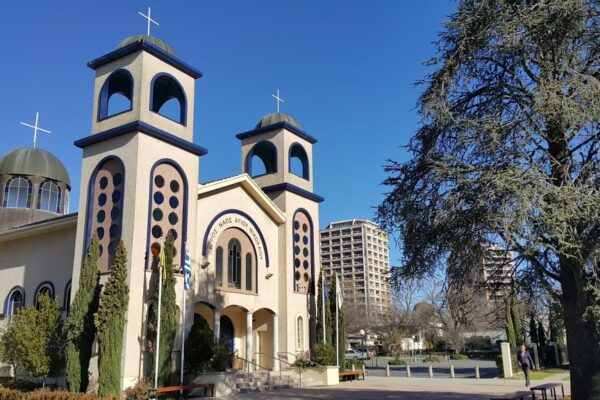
<point x="262" y="380"/>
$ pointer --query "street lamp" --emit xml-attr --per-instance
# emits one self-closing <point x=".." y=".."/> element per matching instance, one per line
<point x="363" y="342"/>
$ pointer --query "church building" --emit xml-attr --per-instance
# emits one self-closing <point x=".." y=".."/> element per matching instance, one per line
<point x="252" y="238"/>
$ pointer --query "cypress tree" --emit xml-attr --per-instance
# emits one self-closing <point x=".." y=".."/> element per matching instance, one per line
<point x="110" y="325"/>
<point x="81" y="330"/>
<point x="341" y="329"/>
<point x="516" y="320"/>
<point x="168" y="317"/>
<point x="327" y="311"/>
<point x="533" y="332"/>
<point x="510" y="328"/>
<point x="541" y="334"/>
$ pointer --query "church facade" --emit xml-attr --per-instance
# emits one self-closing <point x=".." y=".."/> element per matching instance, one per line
<point x="252" y="238"/>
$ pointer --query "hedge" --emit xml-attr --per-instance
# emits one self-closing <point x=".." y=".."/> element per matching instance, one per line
<point x="10" y="394"/>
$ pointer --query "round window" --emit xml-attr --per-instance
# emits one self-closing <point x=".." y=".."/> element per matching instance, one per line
<point x="115" y="213"/>
<point x="102" y="200"/>
<point x="174" y="202"/>
<point x="100" y="232"/>
<point x="174" y="186"/>
<point x="116" y="196"/>
<point x="117" y="179"/>
<point x="157" y="231"/>
<point x="159" y="198"/>
<point x="157" y="214"/>
<point x="101" y="216"/>
<point x="173" y="218"/>
<point x="103" y="182"/>
<point x="159" y="181"/>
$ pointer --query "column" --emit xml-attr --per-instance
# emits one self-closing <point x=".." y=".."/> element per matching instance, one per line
<point x="217" y="324"/>
<point x="275" y="341"/>
<point x="249" y="339"/>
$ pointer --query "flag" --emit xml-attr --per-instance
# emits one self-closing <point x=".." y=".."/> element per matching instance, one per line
<point x="338" y="291"/>
<point x="187" y="269"/>
<point x="163" y="259"/>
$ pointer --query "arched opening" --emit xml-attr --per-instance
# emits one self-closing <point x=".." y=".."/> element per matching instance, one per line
<point x="49" y="197"/>
<point x="116" y="95"/>
<point x="167" y="98"/>
<point x="235" y="262"/>
<point x="302" y="230"/>
<point x="226" y="334"/>
<point x="15" y="300"/>
<point x="262" y="159"/>
<point x="45" y="288"/>
<point x="67" y="301"/>
<point x="299" y="333"/>
<point x="298" y="161"/>
<point x="17" y="193"/>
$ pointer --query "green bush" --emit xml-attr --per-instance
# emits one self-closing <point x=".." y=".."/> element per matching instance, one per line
<point x="358" y="364"/>
<point x="458" y="356"/>
<point x="202" y="354"/>
<point x="431" y="359"/>
<point x="397" y="361"/>
<point x="44" y="394"/>
<point x="138" y="392"/>
<point x="324" y="353"/>
<point x="10" y="394"/>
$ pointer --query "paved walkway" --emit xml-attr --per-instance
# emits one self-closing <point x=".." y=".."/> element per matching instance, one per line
<point x="407" y="389"/>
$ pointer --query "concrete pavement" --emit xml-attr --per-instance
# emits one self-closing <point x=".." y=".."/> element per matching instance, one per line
<point x="407" y="389"/>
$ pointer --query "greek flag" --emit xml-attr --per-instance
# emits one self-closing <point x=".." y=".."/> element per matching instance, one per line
<point x="187" y="269"/>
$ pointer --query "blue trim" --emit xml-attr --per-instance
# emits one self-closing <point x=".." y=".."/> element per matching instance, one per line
<point x="182" y="107"/>
<point x="90" y="202"/>
<point x="283" y="124"/>
<point x="311" y="283"/>
<point x="150" y="48"/>
<point x="249" y="218"/>
<point x="35" y="294"/>
<point x="65" y="300"/>
<point x="184" y="214"/>
<point x="303" y="159"/>
<point x="251" y="154"/>
<point x="139" y="126"/>
<point x="10" y="292"/>
<point x="294" y="189"/>
<point x="104" y="97"/>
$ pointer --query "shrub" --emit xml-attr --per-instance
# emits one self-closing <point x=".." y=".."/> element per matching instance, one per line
<point x="324" y="353"/>
<point x="431" y="359"/>
<point x="10" y="394"/>
<point x="202" y="354"/>
<point x="397" y="361"/>
<point x="458" y="356"/>
<point x="139" y="391"/>
<point x="358" y="364"/>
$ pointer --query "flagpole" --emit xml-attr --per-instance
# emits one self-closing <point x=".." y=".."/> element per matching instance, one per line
<point x="156" y="357"/>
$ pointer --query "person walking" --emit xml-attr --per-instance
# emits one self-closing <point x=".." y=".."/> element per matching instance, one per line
<point x="526" y="362"/>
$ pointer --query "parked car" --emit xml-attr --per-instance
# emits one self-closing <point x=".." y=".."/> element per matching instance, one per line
<point x="354" y="354"/>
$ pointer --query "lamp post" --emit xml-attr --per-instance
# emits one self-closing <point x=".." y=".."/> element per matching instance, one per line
<point x="363" y="342"/>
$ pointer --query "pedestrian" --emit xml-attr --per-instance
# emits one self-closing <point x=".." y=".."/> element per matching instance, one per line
<point x="526" y="362"/>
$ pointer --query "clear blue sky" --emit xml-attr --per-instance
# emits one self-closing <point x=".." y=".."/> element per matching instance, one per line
<point x="345" y="69"/>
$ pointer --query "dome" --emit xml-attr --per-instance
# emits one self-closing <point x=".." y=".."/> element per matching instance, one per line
<point x="35" y="162"/>
<point x="161" y="44"/>
<point x="276" y="117"/>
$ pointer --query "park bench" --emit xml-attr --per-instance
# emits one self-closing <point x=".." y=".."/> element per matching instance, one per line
<point x="351" y="375"/>
<point x="548" y="386"/>
<point x="168" y="389"/>
<point x="523" y="395"/>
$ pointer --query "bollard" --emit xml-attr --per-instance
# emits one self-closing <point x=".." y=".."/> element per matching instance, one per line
<point x="364" y="371"/>
<point x="451" y="371"/>
<point x="407" y="371"/>
<point x="430" y="371"/>
<point x="477" y="372"/>
<point x="387" y="370"/>
<point x="353" y="367"/>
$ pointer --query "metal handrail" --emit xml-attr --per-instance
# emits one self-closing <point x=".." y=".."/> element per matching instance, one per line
<point x="297" y="356"/>
<point x="281" y="361"/>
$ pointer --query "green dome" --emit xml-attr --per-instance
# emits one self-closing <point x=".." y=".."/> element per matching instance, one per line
<point x="34" y="162"/>
<point x="276" y="117"/>
<point x="161" y="44"/>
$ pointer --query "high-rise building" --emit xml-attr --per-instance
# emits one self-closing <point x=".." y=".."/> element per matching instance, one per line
<point x="357" y="250"/>
<point x="497" y="272"/>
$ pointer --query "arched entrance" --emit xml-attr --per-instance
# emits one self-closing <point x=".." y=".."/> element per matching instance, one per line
<point x="226" y="335"/>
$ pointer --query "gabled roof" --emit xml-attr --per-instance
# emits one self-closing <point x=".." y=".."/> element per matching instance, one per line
<point x="250" y="187"/>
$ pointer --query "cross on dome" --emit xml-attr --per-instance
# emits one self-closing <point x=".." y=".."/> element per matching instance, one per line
<point x="149" y="18"/>
<point x="35" y="128"/>
<point x="278" y="99"/>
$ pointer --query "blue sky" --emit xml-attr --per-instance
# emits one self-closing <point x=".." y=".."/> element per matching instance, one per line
<point x="344" y="68"/>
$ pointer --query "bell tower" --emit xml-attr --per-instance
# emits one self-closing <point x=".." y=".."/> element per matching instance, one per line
<point x="139" y="173"/>
<point x="278" y="155"/>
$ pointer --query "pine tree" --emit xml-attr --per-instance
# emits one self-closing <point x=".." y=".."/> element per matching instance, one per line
<point x="168" y="316"/>
<point x="80" y="327"/>
<point x="510" y="328"/>
<point x="516" y="320"/>
<point x="110" y="325"/>
<point x="533" y="332"/>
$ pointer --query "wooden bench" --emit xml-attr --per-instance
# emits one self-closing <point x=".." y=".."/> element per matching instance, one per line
<point x="154" y="393"/>
<point x="351" y="375"/>
<point x="523" y="395"/>
<point x="548" y="386"/>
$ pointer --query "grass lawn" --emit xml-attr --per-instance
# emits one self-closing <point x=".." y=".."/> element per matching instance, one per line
<point x="537" y="375"/>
